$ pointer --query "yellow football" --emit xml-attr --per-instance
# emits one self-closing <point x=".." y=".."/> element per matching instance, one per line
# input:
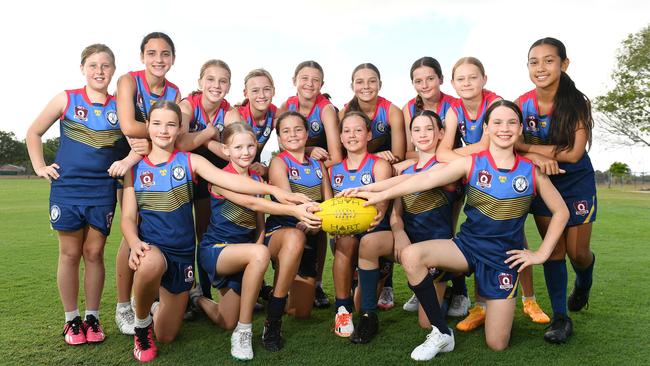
<point x="346" y="216"/>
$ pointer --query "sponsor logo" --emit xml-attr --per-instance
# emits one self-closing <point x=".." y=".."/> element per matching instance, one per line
<point x="581" y="207"/>
<point x="98" y="112"/>
<point x="163" y="172"/>
<point x="111" y="117"/>
<point x="484" y="179"/>
<point x="189" y="274"/>
<point x="55" y="213"/>
<point x="366" y="178"/>
<point x="146" y="179"/>
<point x="520" y="184"/>
<point x="178" y="172"/>
<point x="81" y="113"/>
<point x="505" y="281"/>
<point x="503" y="178"/>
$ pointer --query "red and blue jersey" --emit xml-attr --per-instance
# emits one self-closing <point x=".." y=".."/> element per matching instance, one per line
<point x="427" y="215"/>
<point x="380" y="127"/>
<point x="306" y="178"/>
<point x="497" y="205"/>
<point x="314" y="119"/>
<point x="164" y="196"/>
<point x="444" y="104"/>
<point x="341" y="177"/>
<point x="471" y="130"/>
<point x="230" y="223"/>
<point x="89" y="135"/>
<point x="536" y="126"/>
<point x="145" y="99"/>
<point x="262" y="129"/>
<point x="200" y="119"/>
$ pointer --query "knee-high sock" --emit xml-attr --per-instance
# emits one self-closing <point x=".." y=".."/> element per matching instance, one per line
<point x="426" y="294"/>
<point x="584" y="276"/>
<point x="555" y="274"/>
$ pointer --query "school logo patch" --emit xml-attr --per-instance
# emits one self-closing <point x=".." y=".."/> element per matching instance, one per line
<point x="381" y="126"/>
<point x="267" y="131"/>
<point x="188" y="274"/>
<point x="315" y="126"/>
<point x="294" y="174"/>
<point x="55" y="213"/>
<point x="319" y="174"/>
<point x="484" y="179"/>
<point x="219" y="127"/>
<point x="81" y="113"/>
<point x="581" y="207"/>
<point x="520" y="184"/>
<point x="111" y="117"/>
<point x="461" y="127"/>
<point x="146" y="179"/>
<point x="531" y="124"/>
<point x="366" y="178"/>
<point x="338" y="180"/>
<point x="505" y="281"/>
<point x="178" y="172"/>
<point x="140" y="102"/>
<point x="109" y="219"/>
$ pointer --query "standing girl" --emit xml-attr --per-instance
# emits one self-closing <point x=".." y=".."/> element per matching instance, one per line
<point x="557" y="130"/>
<point x="158" y="224"/>
<point x="83" y="191"/>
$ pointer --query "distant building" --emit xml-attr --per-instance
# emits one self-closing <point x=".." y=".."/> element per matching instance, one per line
<point x="12" y="170"/>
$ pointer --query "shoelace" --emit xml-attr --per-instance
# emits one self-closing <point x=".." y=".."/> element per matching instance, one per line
<point x="344" y="319"/>
<point x="456" y="301"/>
<point x="93" y="323"/>
<point x="74" y="324"/>
<point x="386" y="296"/>
<point x="433" y="338"/>
<point x="142" y="337"/>
<point x="246" y="339"/>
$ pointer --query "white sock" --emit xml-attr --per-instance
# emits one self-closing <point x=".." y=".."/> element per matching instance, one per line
<point x="143" y="323"/>
<point x="242" y="326"/>
<point x="94" y="313"/>
<point x="524" y="298"/>
<point x="123" y="305"/>
<point x="154" y="306"/>
<point x="69" y="315"/>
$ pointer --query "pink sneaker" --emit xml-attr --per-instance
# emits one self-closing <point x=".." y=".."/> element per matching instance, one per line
<point x="73" y="332"/>
<point x="94" y="331"/>
<point x="144" y="348"/>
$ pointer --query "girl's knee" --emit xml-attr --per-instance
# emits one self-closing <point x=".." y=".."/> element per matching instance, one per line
<point x="165" y="337"/>
<point x="94" y="255"/>
<point x="410" y="259"/>
<point x="497" y="344"/>
<point x="261" y="256"/>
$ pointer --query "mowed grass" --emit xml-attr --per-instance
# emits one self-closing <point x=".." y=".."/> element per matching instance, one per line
<point x="612" y="331"/>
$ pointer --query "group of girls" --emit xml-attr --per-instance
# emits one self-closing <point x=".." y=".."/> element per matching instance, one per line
<point x="192" y="173"/>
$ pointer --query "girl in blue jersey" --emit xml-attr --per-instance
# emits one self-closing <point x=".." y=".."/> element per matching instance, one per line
<point x="158" y="225"/>
<point x="237" y="269"/>
<point x="557" y="130"/>
<point x="323" y="143"/>
<point x="500" y="187"/>
<point x="357" y="169"/>
<point x="83" y="192"/>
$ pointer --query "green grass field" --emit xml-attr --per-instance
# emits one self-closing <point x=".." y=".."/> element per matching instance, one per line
<point x="611" y="331"/>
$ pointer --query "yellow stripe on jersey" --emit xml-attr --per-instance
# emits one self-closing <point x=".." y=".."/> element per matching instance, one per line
<point x="97" y="139"/>
<point x="314" y="192"/>
<point x="239" y="215"/>
<point x="498" y="209"/>
<point x="165" y="201"/>
<point x="534" y="140"/>
<point x="418" y="203"/>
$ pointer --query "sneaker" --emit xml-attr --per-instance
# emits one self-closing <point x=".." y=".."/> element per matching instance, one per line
<point x="385" y="301"/>
<point x="93" y="330"/>
<point x="272" y="335"/>
<point x="578" y="299"/>
<point x="144" y="348"/>
<point x="73" y="332"/>
<point x="435" y="343"/>
<point x="241" y="345"/>
<point x="195" y="294"/>
<point x="320" y="299"/>
<point x="343" y="326"/>
<point x="125" y="320"/>
<point x="459" y="306"/>
<point x="475" y="319"/>
<point x="534" y="312"/>
<point x="366" y="329"/>
<point x="560" y="330"/>
<point x="412" y="304"/>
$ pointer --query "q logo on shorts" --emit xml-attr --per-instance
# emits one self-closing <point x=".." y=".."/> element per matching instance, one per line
<point x="505" y="281"/>
<point x="189" y="274"/>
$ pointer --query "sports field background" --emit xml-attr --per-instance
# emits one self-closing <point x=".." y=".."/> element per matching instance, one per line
<point x="614" y="330"/>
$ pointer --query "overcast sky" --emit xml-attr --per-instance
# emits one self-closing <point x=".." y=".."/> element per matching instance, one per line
<point x="43" y="42"/>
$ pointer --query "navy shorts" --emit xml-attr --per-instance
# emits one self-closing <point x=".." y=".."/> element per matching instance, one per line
<point x="66" y="217"/>
<point x="179" y="275"/>
<point x="208" y="258"/>
<point x="493" y="283"/>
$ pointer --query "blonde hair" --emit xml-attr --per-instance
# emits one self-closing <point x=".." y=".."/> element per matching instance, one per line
<point x="97" y="48"/>
<point x="234" y="129"/>
<point x="256" y="73"/>
<point x="216" y="63"/>
<point x="468" y="60"/>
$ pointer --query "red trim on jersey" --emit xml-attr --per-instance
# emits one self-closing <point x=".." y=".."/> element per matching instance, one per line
<point x="67" y="94"/>
<point x="363" y="162"/>
<point x="293" y="158"/>
<point x="381" y="101"/>
<point x="171" y="157"/>
<point x="471" y="168"/>
<point x="428" y="163"/>
<point x="189" y="165"/>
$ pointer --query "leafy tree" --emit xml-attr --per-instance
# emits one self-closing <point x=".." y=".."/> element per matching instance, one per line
<point x="12" y="151"/>
<point x="625" y="110"/>
<point x="50" y="147"/>
<point x="618" y="169"/>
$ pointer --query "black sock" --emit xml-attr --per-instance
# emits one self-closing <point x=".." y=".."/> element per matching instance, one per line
<point x="426" y="294"/>
<point x="458" y="286"/>
<point x="275" y="307"/>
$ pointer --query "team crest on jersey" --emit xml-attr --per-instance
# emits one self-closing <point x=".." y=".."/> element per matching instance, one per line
<point x="178" y="172"/>
<point x="219" y="127"/>
<point x="315" y="126"/>
<point x="531" y="123"/>
<point x="140" y="101"/>
<point x="109" y="219"/>
<point x="111" y="117"/>
<point x="81" y="113"/>
<point x="581" y="207"/>
<point x="319" y="173"/>
<point x="520" y="184"/>
<point x="267" y="131"/>
<point x="381" y="126"/>
<point x="484" y="179"/>
<point x="461" y="127"/>
<point x="188" y="274"/>
<point x="146" y="179"/>
<point x="505" y="281"/>
<point x="55" y="213"/>
<point x="338" y="180"/>
<point x="366" y="178"/>
<point x="294" y="174"/>
<point x="503" y="178"/>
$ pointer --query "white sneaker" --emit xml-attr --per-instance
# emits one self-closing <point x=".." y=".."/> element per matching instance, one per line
<point x="386" y="301"/>
<point x="343" y="326"/>
<point x="125" y="320"/>
<point x="435" y="343"/>
<point x="195" y="293"/>
<point x="241" y="345"/>
<point x="459" y="306"/>
<point x="412" y="304"/>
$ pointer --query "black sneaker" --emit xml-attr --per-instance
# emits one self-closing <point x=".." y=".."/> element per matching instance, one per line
<point x="320" y="299"/>
<point x="366" y="329"/>
<point x="272" y="335"/>
<point x="560" y="330"/>
<point x="578" y="299"/>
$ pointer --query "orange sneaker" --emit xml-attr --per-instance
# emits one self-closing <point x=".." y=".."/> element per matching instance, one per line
<point x="475" y="319"/>
<point x="534" y="312"/>
<point x="343" y="326"/>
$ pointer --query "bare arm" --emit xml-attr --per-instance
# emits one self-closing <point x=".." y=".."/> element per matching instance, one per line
<point x="48" y="116"/>
<point x="410" y="148"/>
<point x="397" y="133"/>
<point x="331" y="124"/>
<point x="126" y="110"/>
<point x="129" y="224"/>
<point x="397" y="227"/>
<point x="189" y="141"/>
<point x="567" y="156"/>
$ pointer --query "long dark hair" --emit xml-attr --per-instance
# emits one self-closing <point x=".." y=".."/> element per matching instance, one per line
<point x="426" y="62"/>
<point x="156" y="35"/>
<point x="433" y="116"/>
<point x="353" y="104"/>
<point x="571" y="108"/>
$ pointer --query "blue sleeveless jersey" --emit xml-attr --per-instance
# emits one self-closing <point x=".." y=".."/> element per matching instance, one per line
<point x="229" y="222"/>
<point x="145" y="99"/>
<point x="444" y="104"/>
<point x="380" y="127"/>
<point x="341" y="177"/>
<point x="262" y="131"/>
<point x="303" y="178"/>
<point x="200" y="117"/>
<point x="496" y="208"/>
<point x="314" y="119"/>
<point x="89" y="134"/>
<point x="471" y="130"/>
<point x="164" y="196"/>
<point x="427" y="215"/>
